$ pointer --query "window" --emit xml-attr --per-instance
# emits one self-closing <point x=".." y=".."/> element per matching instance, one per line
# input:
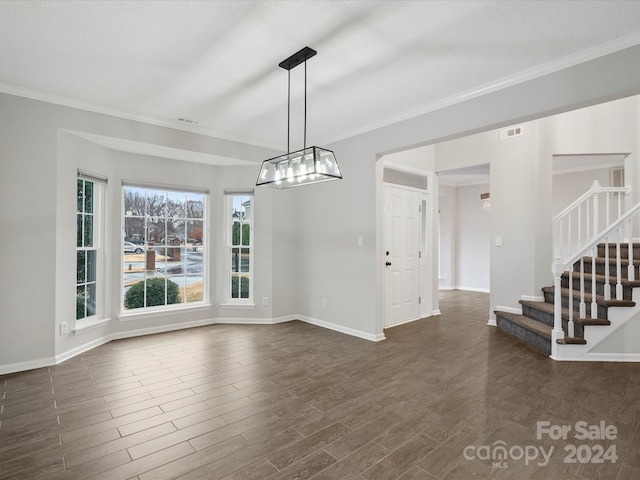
<point x="239" y="246"/>
<point x="86" y="249"/>
<point x="163" y="247"/>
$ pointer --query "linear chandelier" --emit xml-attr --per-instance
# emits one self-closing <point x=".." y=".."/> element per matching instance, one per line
<point x="302" y="167"/>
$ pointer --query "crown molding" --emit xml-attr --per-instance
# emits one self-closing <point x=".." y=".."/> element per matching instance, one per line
<point x="70" y="102"/>
<point x="583" y="56"/>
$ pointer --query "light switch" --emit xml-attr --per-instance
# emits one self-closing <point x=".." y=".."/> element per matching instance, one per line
<point x="360" y="241"/>
<point x="498" y="241"/>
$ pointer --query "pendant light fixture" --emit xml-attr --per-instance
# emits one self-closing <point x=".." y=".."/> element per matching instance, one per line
<point x="309" y="165"/>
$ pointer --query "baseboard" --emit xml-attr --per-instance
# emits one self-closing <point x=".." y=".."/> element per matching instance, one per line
<point x="244" y="321"/>
<point x="517" y="311"/>
<point x="161" y="329"/>
<point x="532" y="298"/>
<point x="608" y="357"/>
<point x="81" y="349"/>
<point x="29" y="365"/>
<point x="446" y="287"/>
<point x="492" y="322"/>
<point x="339" y="328"/>
<point x="472" y="289"/>
<point x="47" y="362"/>
<point x="436" y="312"/>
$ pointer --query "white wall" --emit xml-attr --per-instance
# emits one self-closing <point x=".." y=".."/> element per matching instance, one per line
<point x="472" y="240"/>
<point x="39" y="159"/>
<point x="447" y="209"/>
<point x="329" y="217"/>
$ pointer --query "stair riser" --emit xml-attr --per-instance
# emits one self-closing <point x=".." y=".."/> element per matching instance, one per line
<point x="626" y="291"/>
<point x="613" y="270"/>
<point x="538" y="342"/>
<point x="624" y="250"/>
<point x="547" y="318"/>
<point x="549" y="297"/>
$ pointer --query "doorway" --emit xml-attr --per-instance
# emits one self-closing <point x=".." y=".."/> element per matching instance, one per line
<point x="405" y="255"/>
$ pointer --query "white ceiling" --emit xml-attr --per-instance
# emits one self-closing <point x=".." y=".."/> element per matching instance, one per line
<point x="216" y="61"/>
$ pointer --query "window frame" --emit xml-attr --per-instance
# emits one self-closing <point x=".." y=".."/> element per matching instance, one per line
<point x="167" y="308"/>
<point x="229" y="247"/>
<point x="98" y="216"/>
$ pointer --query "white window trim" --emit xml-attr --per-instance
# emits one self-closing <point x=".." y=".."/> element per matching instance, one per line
<point x="172" y="309"/>
<point x="227" y="232"/>
<point x="99" y="232"/>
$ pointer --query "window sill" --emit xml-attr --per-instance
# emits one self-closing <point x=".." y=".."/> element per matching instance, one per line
<point x="84" y="326"/>
<point x="239" y="306"/>
<point x="127" y="316"/>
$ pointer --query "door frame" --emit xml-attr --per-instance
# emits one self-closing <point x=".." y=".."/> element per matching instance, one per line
<point x="425" y="235"/>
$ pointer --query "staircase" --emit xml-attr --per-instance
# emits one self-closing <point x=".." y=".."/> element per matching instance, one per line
<point x="535" y="325"/>
<point x="594" y="294"/>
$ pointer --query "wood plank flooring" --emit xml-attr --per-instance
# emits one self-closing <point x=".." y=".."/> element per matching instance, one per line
<point x="295" y="401"/>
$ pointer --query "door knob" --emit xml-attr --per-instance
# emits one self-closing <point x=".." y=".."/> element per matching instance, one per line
<point x="388" y="264"/>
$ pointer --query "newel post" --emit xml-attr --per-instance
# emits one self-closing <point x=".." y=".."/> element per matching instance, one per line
<point x="557" y="333"/>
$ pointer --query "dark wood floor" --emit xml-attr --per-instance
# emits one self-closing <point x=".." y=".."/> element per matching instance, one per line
<point x="295" y="401"/>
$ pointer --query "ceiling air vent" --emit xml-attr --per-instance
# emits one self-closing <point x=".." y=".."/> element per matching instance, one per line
<point x="510" y="132"/>
<point x="188" y="121"/>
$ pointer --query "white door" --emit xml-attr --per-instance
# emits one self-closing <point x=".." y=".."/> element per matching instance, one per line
<point x="401" y="255"/>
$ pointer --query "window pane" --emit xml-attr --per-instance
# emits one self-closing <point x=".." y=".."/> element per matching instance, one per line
<point x="80" y="196"/>
<point x="156" y="291"/>
<point x="235" y="260"/>
<point x="91" y="299"/>
<point x="194" y="288"/>
<point x="79" y="230"/>
<point x="134" y="230"/>
<point x="91" y="265"/>
<point x="244" y="260"/>
<point x="235" y="286"/>
<point x="246" y="234"/>
<point x="156" y="203"/>
<point x="88" y="197"/>
<point x="176" y="204"/>
<point x="244" y="287"/>
<point x="134" y="201"/>
<point x="156" y="230"/>
<point x="81" y="275"/>
<point x="88" y="230"/>
<point x="195" y="232"/>
<point x="80" y="302"/>
<point x="195" y="205"/>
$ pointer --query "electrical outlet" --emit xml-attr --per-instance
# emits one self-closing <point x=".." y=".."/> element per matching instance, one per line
<point x="63" y="328"/>
<point x="324" y="303"/>
<point x="265" y="301"/>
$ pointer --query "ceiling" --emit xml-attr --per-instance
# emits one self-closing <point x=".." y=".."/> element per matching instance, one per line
<point x="216" y="62"/>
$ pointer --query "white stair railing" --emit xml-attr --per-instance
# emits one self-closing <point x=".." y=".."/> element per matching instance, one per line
<point x="618" y="233"/>
<point x="585" y="217"/>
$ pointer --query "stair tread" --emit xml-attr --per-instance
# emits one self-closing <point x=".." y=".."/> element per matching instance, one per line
<point x="612" y="260"/>
<point x="571" y="341"/>
<point x="549" y="308"/>
<point x="527" y="322"/>
<point x="599" y="298"/>
<point x="602" y="279"/>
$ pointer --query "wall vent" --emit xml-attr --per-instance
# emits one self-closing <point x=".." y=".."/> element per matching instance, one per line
<point x="510" y="132"/>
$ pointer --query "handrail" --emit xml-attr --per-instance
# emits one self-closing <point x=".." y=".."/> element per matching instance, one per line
<point x="577" y="260"/>
<point x="595" y="188"/>
<point x="585" y="216"/>
<point x="602" y="235"/>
